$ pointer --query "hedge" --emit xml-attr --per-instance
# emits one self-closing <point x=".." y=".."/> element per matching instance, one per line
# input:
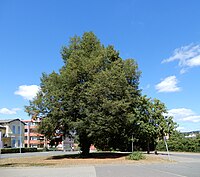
<point x="17" y="150"/>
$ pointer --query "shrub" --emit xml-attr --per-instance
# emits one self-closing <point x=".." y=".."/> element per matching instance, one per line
<point x="136" y="156"/>
<point x="17" y="150"/>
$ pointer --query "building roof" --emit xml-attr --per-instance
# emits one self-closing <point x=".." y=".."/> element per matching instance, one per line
<point x="10" y="120"/>
<point x="2" y="127"/>
<point x="31" y="120"/>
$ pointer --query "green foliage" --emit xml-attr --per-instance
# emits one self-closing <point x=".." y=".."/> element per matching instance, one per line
<point x="136" y="156"/>
<point x="151" y="123"/>
<point x="179" y="143"/>
<point x="17" y="150"/>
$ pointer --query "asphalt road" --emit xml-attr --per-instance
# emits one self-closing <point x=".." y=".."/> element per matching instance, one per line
<point x="31" y="154"/>
<point x="182" y="165"/>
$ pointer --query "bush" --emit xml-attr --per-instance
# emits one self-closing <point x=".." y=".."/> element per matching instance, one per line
<point x="136" y="156"/>
<point x="17" y="150"/>
<point x="178" y="142"/>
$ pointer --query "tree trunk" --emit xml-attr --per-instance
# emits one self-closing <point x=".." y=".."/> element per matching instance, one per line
<point x="85" y="144"/>
<point x="148" y="146"/>
<point x="85" y="149"/>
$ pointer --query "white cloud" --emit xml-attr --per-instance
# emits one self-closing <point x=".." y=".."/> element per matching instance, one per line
<point x="194" y="61"/>
<point x="28" y="92"/>
<point x="192" y="118"/>
<point x="184" y="115"/>
<point x="169" y="84"/>
<point x="188" y="57"/>
<point x="9" y="111"/>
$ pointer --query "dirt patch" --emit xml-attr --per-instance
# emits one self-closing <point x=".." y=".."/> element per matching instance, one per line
<point x="67" y="160"/>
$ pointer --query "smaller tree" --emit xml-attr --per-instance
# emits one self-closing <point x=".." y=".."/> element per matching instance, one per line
<point x="152" y="123"/>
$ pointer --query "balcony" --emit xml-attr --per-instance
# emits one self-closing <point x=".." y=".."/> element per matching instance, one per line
<point x="33" y="142"/>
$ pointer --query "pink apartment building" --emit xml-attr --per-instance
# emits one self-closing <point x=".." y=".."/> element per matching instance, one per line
<point x="31" y="136"/>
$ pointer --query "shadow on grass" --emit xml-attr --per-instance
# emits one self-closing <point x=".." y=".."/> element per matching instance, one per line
<point x="94" y="155"/>
<point x="24" y="164"/>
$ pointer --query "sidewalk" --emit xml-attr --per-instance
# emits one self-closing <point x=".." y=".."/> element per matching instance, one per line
<point x="88" y="171"/>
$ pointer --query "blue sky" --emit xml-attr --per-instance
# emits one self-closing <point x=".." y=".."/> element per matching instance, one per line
<point x="163" y="37"/>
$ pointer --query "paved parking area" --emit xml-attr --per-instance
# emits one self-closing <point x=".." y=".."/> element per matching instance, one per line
<point x="88" y="171"/>
<point x="183" y="165"/>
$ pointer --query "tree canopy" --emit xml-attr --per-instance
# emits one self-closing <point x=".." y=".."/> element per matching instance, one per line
<point x="96" y="93"/>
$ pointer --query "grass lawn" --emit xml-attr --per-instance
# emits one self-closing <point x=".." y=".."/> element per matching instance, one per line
<point x="77" y="159"/>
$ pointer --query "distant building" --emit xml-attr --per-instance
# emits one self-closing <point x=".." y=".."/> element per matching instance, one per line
<point x="68" y="144"/>
<point x="192" y="134"/>
<point x="2" y="135"/>
<point x="31" y="136"/>
<point x="12" y="132"/>
<point x="2" y="130"/>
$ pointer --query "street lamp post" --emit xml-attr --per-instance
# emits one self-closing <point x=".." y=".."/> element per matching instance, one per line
<point x="132" y="143"/>
<point x="165" y="140"/>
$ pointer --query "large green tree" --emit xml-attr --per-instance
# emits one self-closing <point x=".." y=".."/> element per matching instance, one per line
<point x="96" y="93"/>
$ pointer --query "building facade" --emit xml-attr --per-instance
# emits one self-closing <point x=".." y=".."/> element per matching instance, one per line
<point x="31" y="136"/>
<point x="12" y="132"/>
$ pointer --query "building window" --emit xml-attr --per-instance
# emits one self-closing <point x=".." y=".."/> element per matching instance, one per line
<point x="33" y="145"/>
<point x="19" y="143"/>
<point x="18" y="130"/>
<point x="13" y="129"/>
<point x="33" y="123"/>
<point x="13" y="143"/>
<point x="25" y="130"/>
<point x="34" y="138"/>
